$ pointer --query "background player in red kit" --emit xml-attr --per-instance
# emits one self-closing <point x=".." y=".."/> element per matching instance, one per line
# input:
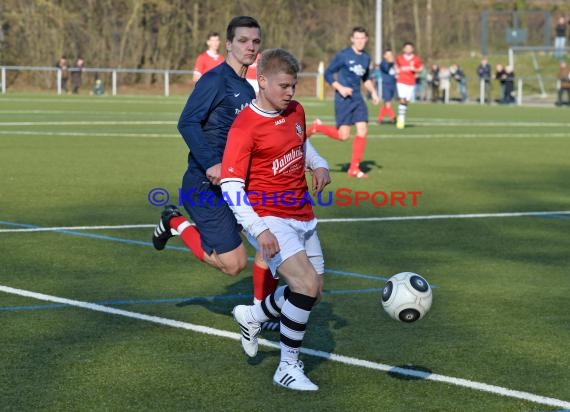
<point x="407" y="65"/>
<point x="251" y="75"/>
<point x="210" y="58"/>
<point x="266" y="155"/>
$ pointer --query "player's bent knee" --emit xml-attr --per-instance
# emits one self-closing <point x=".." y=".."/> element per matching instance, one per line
<point x="310" y="286"/>
<point x="233" y="268"/>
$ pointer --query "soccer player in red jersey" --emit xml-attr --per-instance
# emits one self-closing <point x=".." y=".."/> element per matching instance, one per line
<point x="407" y="65"/>
<point x="210" y="58"/>
<point x="216" y="100"/>
<point x="265" y="159"/>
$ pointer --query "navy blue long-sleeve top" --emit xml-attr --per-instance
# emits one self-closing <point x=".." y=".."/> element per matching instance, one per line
<point x="219" y="95"/>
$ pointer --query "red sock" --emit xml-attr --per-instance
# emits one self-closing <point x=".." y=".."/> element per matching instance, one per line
<point x="391" y="113"/>
<point x="382" y="113"/>
<point x="189" y="235"/>
<point x="264" y="284"/>
<point x="357" y="151"/>
<point x="327" y="130"/>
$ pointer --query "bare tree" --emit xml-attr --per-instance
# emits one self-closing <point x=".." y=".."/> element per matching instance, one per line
<point x="416" y="14"/>
<point x="429" y="34"/>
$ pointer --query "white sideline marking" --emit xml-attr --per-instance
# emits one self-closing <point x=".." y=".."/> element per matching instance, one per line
<point x="417" y="122"/>
<point x="91" y="123"/>
<point x="52" y="229"/>
<point x="331" y="220"/>
<point x="89" y="134"/>
<point x="312" y="352"/>
<point x="370" y="136"/>
<point x="434" y="217"/>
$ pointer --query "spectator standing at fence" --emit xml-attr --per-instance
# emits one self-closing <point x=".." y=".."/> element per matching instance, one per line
<point x="64" y="67"/>
<point x="433" y="82"/>
<point x="210" y="58"/>
<point x="560" y="39"/>
<point x="458" y="75"/>
<point x="500" y="76"/>
<point x="76" y="73"/>
<point x="564" y="78"/>
<point x="444" y="83"/>
<point x="484" y="73"/>
<point x="508" y="94"/>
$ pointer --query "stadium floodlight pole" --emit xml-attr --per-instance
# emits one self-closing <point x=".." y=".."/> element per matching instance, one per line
<point x="378" y="32"/>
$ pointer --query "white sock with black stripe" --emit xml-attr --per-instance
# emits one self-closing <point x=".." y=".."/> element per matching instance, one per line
<point x="270" y="307"/>
<point x="294" y="317"/>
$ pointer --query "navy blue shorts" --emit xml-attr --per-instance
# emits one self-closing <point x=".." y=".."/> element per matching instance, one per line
<point x="388" y="93"/>
<point x="350" y="110"/>
<point x="214" y="219"/>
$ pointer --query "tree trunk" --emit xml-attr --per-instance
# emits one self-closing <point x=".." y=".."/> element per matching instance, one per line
<point x="429" y="39"/>
<point x="391" y="30"/>
<point x="417" y="29"/>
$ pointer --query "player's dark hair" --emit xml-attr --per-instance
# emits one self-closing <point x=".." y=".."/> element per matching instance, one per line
<point x="212" y="34"/>
<point x="408" y="43"/>
<point x="278" y="61"/>
<point x="359" y="29"/>
<point x="240" y="21"/>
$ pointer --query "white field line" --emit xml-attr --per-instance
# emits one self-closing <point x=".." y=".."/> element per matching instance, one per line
<point x="106" y="100"/>
<point x="92" y="123"/>
<point x="52" y="229"/>
<point x="331" y="220"/>
<point x="370" y="136"/>
<point x="419" y="122"/>
<point x="498" y="390"/>
<point x="92" y="134"/>
<point x="68" y="113"/>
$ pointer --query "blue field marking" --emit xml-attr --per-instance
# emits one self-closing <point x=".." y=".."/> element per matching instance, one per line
<point x="187" y="300"/>
<point x="179" y="248"/>
<point x="555" y="216"/>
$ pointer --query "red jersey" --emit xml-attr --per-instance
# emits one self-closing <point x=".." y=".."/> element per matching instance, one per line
<point x="266" y="150"/>
<point x="252" y="69"/>
<point x="404" y="65"/>
<point x="205" y="61"/>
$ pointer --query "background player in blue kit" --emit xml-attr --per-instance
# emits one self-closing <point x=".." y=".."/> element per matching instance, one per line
<point x="345" y="73"/>
<point x="388" y="72"/>
<point x="219" y="95"/>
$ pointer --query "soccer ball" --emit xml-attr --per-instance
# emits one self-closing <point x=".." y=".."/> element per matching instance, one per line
<point x="406" y="297"/>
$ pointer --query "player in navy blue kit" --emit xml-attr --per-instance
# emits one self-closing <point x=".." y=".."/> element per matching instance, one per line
<point x="388" y="72"/>
<point x="219" y="95"/>
<point x="345" y="73"/>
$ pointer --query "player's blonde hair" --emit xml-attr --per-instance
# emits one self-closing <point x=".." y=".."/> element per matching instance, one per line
<point x="275" y="61"/>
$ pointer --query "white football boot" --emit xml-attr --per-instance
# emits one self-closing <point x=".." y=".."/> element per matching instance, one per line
<point x="249" y="330"/>
<point x="292" y="376"/>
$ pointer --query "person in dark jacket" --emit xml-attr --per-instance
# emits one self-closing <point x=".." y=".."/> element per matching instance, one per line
<point x="484" y="73"/>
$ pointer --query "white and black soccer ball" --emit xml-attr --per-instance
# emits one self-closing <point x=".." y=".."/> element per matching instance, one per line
<point x="406" y="297"/>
